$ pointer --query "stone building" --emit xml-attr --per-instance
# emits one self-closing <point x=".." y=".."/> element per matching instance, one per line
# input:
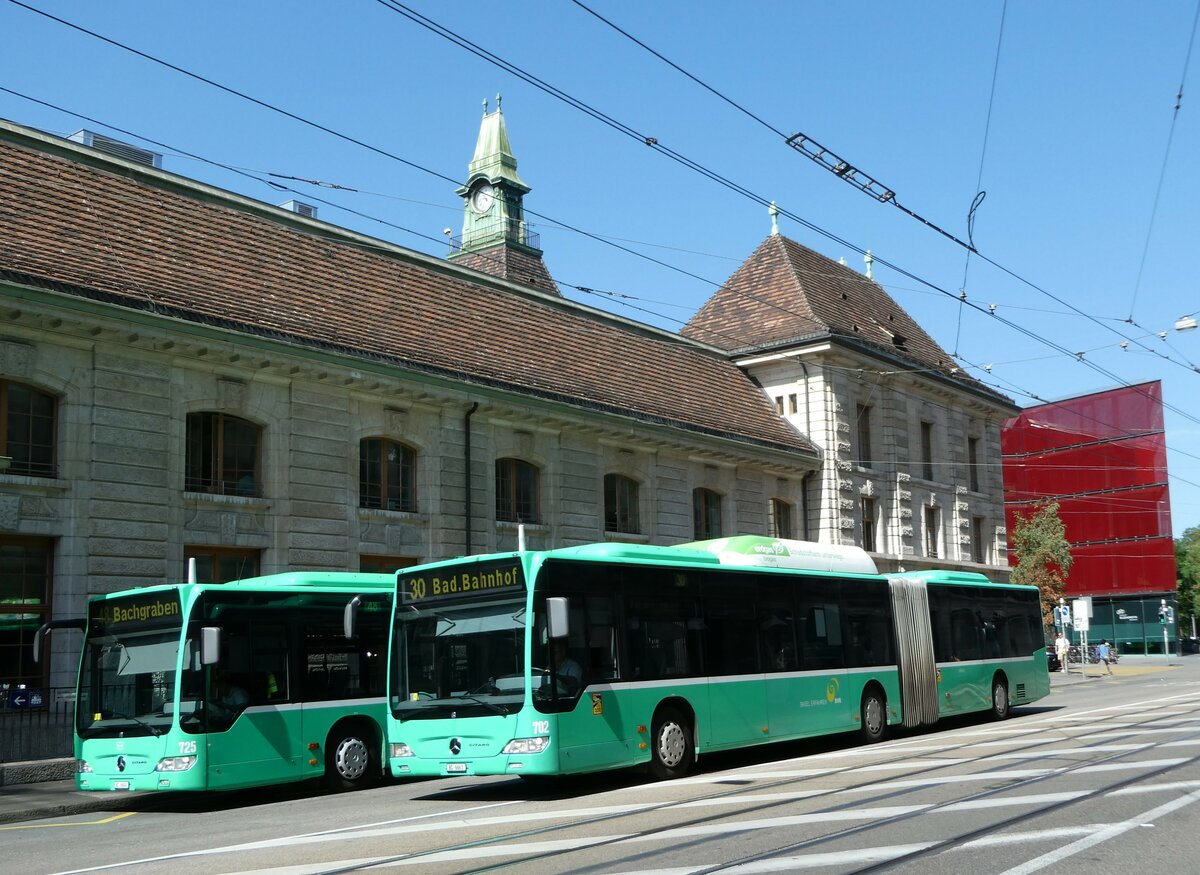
<point x="911" y="444"/>
<point x="189" y="373"/>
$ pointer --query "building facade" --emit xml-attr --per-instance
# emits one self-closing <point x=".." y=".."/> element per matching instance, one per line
<point x="1103" y="458"/>
<point x="186" y="373"/>
<point x="911" y="444"/>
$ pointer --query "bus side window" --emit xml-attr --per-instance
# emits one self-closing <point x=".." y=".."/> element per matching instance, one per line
<point x="601" y="637"/>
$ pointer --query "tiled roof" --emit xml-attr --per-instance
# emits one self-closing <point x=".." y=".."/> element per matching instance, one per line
<point x="786" y="293"/>
<point x="510" y="263"/>
<point x="140" y="240"/>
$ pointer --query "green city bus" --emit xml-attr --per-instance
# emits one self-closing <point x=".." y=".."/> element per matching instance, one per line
<point x="612" y="655"/>
<point x="214" y="687"/>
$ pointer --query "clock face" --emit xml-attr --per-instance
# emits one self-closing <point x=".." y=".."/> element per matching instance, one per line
<point x="482" y="198"/>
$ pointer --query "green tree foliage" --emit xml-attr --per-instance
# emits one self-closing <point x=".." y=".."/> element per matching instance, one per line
<point x="1039" y="540"/>
<point x="1187" y="570"/>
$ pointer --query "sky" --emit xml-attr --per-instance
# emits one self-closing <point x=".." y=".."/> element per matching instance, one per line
<point x="1064" y="113"/>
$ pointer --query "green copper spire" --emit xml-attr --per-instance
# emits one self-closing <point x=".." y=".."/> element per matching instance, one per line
<point x="494" y="159"/>
<point x="493" y="195"/>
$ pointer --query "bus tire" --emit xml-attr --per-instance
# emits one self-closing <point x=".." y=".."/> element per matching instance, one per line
<point x="670" y="745"/>
<point x="873" y="715"/>
<point x="351" y="760"/>
<point x="1001" y="707"/>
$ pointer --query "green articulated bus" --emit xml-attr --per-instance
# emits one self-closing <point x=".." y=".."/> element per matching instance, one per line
<point x="214" y="687"/>
<point x="611" y="655"/>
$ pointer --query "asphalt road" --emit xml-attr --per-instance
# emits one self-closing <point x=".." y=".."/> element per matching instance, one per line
<point x="1101" y="777"/>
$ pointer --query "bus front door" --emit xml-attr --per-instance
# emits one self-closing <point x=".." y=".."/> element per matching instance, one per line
<point x="261" y="746"/>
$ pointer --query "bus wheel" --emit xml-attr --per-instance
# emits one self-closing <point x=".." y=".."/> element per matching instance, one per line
<point x="1000" y="703"/>
<point x="874" y="715"/>
<point x="351" y="760"/>
<point x="671" y="752"/>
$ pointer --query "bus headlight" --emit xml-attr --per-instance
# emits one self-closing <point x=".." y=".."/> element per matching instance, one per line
<point x="175" y="764"/>
<point x="82" y="768"/>
<point x="526" y="745"/>
<point x="400" y="749"/>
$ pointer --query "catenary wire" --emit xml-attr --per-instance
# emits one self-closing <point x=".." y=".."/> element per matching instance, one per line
<point x="391" y="4"/>
<point x="1162" y="173"/>
<point x="966" y="245"/>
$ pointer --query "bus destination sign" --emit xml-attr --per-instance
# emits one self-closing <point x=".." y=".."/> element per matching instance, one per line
<point x="456" y="581"/>
<point x="137" y="612"/>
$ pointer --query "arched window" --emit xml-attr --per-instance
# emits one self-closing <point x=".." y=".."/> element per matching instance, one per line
<point x="517" y="491"/>
<point x="621" y="504"/>
<point x="781" y="518"/>
<point x="706" y="513"/>
<point x="27" y="429"/>
<point x="387" y="475"/>
<point x="222" y="455"/>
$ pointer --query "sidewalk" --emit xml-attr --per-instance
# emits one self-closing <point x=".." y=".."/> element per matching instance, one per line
<point x="46" y="788"/>
<point x="1129" y="666"/>
<point x="20" y="802"/>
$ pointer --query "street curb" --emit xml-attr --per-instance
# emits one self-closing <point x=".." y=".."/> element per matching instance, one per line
<point x="36" y="771"/>
<point x="66" y="809"/>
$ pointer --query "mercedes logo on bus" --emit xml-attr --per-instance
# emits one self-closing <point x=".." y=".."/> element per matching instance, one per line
<point x="455" y="746"/>
<point x="120" y="764"/>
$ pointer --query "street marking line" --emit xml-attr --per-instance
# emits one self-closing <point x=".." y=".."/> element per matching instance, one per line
<point x="1070" y="751"/>
<point x="1011" y="774"/>
<point x="909" y="764"/>
<point x="75" y="823"/>
<point x="1103" y="835"/>
<point x="1155" y="788"/>
<point x="1004" y="801"/>
<point x="709" y="829"/>
<point x="1024" y="838"/>
<point x="1120" y="767"/>
<point x="332" y="833"/>
<point x="1168" y="731"/>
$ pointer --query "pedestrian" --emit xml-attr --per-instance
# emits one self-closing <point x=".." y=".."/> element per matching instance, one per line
<point x="1061" y="647"/>
<point x="1102" y="653"/>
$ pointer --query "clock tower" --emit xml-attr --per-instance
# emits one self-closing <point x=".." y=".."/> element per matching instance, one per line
<point x="495" y="237"/>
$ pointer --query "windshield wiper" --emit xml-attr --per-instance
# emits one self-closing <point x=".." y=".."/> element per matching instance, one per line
<point x="489" y="705"/>
<point x="154" y="730"/>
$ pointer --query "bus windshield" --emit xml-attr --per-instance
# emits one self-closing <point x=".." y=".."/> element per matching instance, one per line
<point x="130" y="655"/>
<point x="464" y="659"/>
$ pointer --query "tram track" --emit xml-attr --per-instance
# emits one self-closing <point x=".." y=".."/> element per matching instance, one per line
<point x="1058" y="730"/>
<point x="970" y="835"/>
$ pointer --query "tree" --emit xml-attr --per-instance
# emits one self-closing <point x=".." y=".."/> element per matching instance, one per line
<point x="1039" y="541"/>
<point x="1187" y="571"/>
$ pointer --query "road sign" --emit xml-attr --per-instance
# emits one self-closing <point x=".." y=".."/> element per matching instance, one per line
<point x="25" y="699"/>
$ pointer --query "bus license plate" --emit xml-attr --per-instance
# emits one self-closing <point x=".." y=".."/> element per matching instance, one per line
<point x="120" y="785"/>
<point x="456" y="767"/>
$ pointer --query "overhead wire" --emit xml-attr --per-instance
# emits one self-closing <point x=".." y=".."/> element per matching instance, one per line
<point x="654" y="143"/>
<point x="619" y="297"/>
<point x="486" y="55"/>
<point x="1008" y="271"/>
<point x="1162" y="172"/>
<point x="405" y="161"/>
<point x="980" y="194"/>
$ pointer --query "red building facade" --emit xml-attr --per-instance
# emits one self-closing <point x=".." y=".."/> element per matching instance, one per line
<point x="1103" y="458"/>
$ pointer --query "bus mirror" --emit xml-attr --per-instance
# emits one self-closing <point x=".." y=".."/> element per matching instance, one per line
<point x="78" y="623"/>
<point x="557" y="624"/>
<point x="350" y="617"/>
<point x="210" y="645"/>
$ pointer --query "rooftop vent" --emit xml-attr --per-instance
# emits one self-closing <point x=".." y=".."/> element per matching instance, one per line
<point x="116" y="148"/>
<point x="300" y="208"/>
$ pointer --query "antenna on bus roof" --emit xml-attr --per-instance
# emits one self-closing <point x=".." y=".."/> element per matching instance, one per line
<point x="191" y="575"/>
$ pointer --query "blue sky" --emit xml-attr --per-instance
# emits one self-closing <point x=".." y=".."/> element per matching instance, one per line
<point x="1083" y="105"/>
